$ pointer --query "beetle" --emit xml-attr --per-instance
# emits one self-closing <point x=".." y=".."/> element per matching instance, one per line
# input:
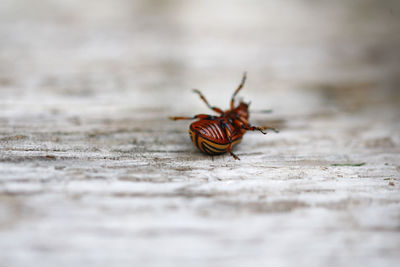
<point x="215" y="135"/>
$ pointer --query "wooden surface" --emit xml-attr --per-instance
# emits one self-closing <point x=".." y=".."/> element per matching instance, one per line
<point x="93" y="174"/>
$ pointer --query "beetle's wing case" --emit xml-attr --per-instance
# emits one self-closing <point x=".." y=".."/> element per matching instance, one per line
<point x="210" y="129"/>
<point x="210" y="137"/>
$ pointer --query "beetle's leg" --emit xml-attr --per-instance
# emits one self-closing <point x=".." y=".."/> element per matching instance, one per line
<point x="230" y="151"/>
<point x="216" y="109"/>
<point x="245" y="125"/>
<point x="270" y="128"/>
<point x="228" y="135"/>
<point x="198" y="116"/>
<point x="237" y="91"/>
<point x="253" y="128"/>
<point x="261" y="128"/>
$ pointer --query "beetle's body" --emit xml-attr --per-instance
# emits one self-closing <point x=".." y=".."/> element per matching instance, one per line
<point x="210" y="136"/>
<point x="216" y="135"/>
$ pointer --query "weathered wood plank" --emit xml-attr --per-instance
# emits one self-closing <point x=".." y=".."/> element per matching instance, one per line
<point x="93" y="173"/>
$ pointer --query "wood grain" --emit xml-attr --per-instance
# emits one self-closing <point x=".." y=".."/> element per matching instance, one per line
<point x="93" y="173"/>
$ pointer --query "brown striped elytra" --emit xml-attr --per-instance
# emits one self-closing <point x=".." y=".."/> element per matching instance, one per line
<point x="215" y="135"/>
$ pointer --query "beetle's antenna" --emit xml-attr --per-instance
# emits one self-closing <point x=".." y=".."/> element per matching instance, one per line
<point x="262" y="111"/>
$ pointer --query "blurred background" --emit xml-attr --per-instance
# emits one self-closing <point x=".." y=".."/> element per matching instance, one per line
<point x="93" y="173"/>
<point x="298" y="53"/>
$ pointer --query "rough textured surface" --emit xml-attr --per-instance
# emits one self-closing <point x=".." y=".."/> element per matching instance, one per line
<point x="93" y="173"/>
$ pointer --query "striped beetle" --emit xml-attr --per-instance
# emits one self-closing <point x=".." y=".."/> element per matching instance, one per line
<point x="217" y="135"/>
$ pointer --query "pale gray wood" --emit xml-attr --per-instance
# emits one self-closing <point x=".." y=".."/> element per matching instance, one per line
<point x="92" y="173"/>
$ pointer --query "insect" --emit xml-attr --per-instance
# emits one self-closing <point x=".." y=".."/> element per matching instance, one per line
<point x="217" y="135"/>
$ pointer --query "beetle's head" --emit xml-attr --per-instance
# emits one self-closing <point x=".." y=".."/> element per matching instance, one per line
<point x="243" y="109"/>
